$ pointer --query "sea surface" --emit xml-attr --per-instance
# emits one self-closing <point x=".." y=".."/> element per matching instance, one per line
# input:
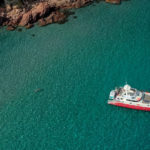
<point x="55" y="81"/>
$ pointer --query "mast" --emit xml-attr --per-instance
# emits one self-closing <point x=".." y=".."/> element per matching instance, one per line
<point x="126" y="93"/>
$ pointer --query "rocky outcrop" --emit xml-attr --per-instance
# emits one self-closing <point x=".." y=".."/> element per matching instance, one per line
<point x="113" y="1"/>
<point x="40" y="11"/>
<point x="55" y="17"/>
<point x="45" y="12"/>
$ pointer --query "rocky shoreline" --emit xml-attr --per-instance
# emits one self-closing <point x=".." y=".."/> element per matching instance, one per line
<point x="44" y="13"/>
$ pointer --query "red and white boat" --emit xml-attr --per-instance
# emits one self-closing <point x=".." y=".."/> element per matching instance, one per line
<point x="130" y="98"/>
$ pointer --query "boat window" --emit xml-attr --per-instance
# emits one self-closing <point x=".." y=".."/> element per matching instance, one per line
<point x="131" y="94"/>
<point x="138" y="93"/>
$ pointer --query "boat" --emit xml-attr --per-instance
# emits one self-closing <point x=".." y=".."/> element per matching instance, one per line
<point x="129" y="97"/>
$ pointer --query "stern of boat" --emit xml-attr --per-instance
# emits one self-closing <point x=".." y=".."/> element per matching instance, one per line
<point x="111" y="102"/>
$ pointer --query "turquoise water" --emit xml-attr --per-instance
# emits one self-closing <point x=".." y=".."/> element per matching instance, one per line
<point x="76" y="65"/>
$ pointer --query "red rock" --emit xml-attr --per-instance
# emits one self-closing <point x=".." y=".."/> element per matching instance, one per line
<point x="49" y="19"/>
<point x="10" y="28"/>
<point x="58" y="16"/>
<point x="113" y="1"/>
<point x="26" y="18"/>
<point x="28" y="26"/>
<point x="17" y="20"/>
<point x="40" y="11"/>
<point x="80" y="3"/>
<point x="14" y="22"/>
<point x="42" y="22"/>
<point x="8" y="7"/>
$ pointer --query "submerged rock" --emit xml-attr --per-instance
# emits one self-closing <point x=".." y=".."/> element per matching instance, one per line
<point x="38" y="90"/>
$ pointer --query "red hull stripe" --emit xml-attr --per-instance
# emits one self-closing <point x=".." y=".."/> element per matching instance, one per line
<point x="130" y="106"/>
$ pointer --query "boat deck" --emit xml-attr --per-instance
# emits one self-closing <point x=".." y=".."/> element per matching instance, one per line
<point x="146" y="98"/>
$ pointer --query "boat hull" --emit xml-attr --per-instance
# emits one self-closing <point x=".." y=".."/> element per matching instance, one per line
<point x="137" y="106"/>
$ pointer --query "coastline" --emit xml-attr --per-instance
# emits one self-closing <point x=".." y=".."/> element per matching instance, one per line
<point x="43" y="13"/>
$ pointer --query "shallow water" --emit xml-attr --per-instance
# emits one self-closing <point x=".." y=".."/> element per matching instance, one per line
<point x="54" y="86"/>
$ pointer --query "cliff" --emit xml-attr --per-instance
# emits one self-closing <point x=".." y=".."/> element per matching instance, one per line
<point x="45" y="12"/>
